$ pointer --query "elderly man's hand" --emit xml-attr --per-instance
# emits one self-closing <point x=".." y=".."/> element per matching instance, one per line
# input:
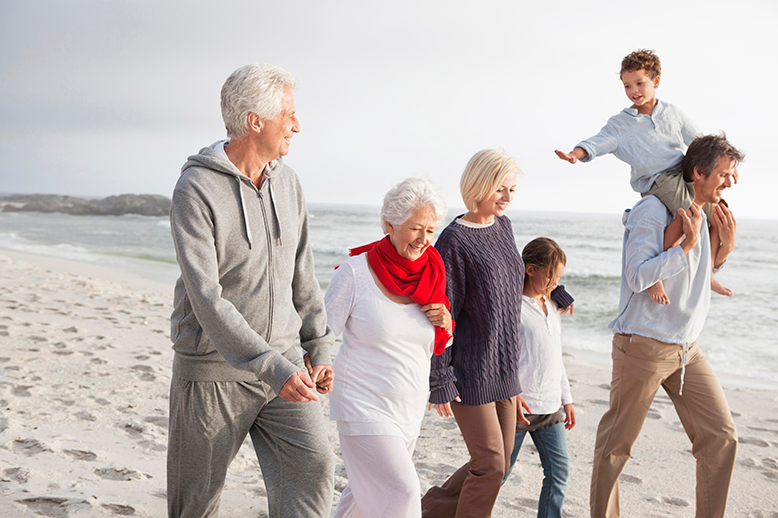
<point x="297" y="389"/>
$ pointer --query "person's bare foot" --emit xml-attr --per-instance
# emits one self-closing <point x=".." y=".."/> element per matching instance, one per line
<point x="657" y="293"/>
<point x="718" y="288"/>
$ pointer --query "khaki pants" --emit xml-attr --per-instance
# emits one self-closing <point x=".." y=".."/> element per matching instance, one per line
<point x="640" y="366"/>
<point x="488" y="431"/>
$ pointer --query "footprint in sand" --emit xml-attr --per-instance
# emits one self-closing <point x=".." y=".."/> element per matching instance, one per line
<point x="82" y="455"/>
<point x="121" y="510"/>
<point x="767" y="466"/>
<point x="17" y="474"/>
<point x="85" y="416"/>
<point x="669" y="500"/>
<point x="29" y="446"/>
<point x="133" y="429"/>
<point x="674" y="500"/>
<point x="49" y="506"/>
<point x="21" y="390"/>
<point x="630" y="479"/>
<point x="527" y="502"/>
<point x="768" y="430"/>
<point x="145" y="372"/>
<point x="158" y="420"/>
<point x="123" y="474"/>
<point x="753" y="441"/>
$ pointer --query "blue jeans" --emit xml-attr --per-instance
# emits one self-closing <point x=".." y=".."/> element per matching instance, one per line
<point x="552" y="448"/>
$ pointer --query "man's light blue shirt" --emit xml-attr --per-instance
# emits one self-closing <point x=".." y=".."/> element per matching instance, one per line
<point x="686" y="278"/>
<point x="650" y="144"/>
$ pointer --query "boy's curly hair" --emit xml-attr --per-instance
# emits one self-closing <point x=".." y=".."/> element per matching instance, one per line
<point x="642" y="59"/>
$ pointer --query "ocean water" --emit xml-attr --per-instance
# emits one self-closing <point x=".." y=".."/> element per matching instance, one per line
<point x="740" y="336"/>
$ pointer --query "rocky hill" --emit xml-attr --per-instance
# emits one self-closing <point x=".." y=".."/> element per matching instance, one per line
<point x="143" y="204"/>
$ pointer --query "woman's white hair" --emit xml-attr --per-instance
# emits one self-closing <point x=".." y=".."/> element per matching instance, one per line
<point x="256" y="88"/>
<point x="408" y="195"/>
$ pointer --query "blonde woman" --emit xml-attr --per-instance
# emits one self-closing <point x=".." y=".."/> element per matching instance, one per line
<point x="476" y="379"/>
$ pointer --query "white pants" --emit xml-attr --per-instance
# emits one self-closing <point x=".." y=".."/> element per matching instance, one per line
<point x="382" y="480"/>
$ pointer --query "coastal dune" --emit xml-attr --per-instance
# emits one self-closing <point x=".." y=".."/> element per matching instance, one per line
<point x="85" y="362"/>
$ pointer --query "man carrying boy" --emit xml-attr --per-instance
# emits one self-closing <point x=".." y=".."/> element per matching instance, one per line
<point x="656" y="345"/>
<point x="651" y="136"/>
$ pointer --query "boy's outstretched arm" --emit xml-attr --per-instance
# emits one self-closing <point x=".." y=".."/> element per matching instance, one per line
<point x="573" y="156"/>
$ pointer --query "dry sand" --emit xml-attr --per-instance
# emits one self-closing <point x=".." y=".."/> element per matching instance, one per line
<point x="84" y="371"/>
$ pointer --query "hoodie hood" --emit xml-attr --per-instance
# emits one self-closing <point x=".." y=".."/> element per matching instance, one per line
<point x="214" y="159"/>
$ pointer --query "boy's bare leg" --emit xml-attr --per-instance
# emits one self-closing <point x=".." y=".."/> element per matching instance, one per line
<point x="673" y="236"/>
<point x="673" y="233"/>
<point x="657" y="292"/>
<point x="718" y="288"/>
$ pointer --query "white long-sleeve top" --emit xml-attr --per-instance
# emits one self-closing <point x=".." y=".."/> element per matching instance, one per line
<point x="686" y="278"/>
<point x="542" y="376"/>
<point x="383" y="366"/>
<point x="650" y="144"/>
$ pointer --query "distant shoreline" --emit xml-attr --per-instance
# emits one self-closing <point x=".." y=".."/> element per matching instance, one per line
<point x="142" y="204"/>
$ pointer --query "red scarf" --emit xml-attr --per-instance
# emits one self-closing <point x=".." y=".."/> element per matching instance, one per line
<point x="423" y="280"/>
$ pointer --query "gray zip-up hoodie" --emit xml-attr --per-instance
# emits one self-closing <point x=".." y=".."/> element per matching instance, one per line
<point x="247" y="290"/>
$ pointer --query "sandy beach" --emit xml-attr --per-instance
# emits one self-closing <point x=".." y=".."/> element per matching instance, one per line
<point x="85" y="364"/>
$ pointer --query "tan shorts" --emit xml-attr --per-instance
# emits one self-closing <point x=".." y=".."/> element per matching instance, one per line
<point x="675" y="193"/>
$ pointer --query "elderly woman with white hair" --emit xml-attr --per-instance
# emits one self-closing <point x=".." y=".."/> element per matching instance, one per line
<point x="389" y="301"/>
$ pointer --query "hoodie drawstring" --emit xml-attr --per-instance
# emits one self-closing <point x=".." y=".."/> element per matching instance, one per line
<point x="275" y="213"/>
<point x="684" y="352"/>
<point x="245" y="215"/>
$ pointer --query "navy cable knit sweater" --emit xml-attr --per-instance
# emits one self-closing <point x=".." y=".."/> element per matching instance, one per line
<point x="485" y="279"/>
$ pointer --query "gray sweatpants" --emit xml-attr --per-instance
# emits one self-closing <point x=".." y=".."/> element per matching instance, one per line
<point x="208" y="423"/>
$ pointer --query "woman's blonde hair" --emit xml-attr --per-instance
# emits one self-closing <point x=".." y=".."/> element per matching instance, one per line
<point x="483" y="174"/>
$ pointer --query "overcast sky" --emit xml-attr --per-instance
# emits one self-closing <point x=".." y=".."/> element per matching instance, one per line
<point x="107" y="97"/>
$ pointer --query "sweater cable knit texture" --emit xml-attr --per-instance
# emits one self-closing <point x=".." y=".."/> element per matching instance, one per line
<point x="485" y="279"/>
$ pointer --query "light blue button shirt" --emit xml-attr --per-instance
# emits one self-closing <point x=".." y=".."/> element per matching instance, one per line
<point x="650" y="144"/>
<point x="686" y="278"/>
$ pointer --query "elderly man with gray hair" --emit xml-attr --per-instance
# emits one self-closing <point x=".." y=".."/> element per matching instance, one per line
<point x="247" y="294"/>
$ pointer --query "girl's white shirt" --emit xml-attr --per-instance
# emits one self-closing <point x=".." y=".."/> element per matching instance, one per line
<point x="542" y="376"/>
<point x="383" y="365"/>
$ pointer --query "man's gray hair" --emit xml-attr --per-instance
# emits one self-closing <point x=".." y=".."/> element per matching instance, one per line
<point x="410" y="194"/>
<point x="256" y="88"/>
